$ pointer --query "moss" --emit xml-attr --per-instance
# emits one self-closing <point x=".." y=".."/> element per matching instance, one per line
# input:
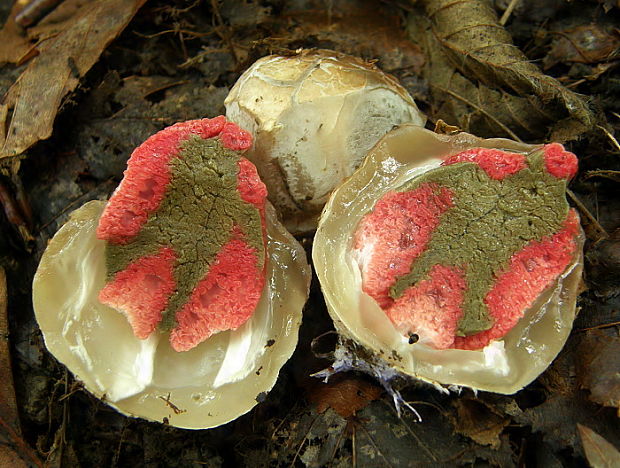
<point x="196" y="218"/>
<point x="489" y="222"/>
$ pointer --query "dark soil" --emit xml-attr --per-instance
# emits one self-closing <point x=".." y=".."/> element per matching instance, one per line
<point x="176" y="61"/>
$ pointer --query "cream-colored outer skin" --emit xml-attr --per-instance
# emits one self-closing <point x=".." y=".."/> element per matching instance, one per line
<point x="504" y="366"/>
<point x="210" y="385"/>
<point x="314" y="116"/>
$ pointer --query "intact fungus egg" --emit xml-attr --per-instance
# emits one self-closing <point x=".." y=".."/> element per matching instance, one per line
<point x="180" y="299"/>
<point x="452" y="259"/>
<point x="314" y="116"/>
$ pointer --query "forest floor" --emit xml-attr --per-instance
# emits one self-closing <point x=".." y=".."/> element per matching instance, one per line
<point x="86" y="84"/>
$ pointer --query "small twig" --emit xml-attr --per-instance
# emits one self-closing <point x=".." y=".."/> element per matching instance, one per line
<point x="150" y="92"/>
<point x="598" y="327"/>
<point x="608" y="174"/>
<point x="275" y="431"/>
<point x="508" y="12"/>
<point x="77" y="201"/>
<point x="611" y="137"/>
<point x="422" y="445"/>
<point x="178" y="11"/>
<point x="374" y="444"/>
<point x="35" y="11"/>
<point x="576" y="83"/>
<point x="197" y="58"/>
<point x="337" y="445"/>
<point x="479" y="109"/>
<point x="171" y="405"/>
<point x="583" y="210"/>
<point x="75" y="387"/>
<point x="353" y="448"/>
<point x="303" y="441"/>
<point x="117" y="453"/>
<point x="226" y="37"/>
<point x="192" y="34"/>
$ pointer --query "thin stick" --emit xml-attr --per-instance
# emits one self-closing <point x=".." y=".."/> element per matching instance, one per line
<point x="303" y="441"/>
<point x="508" y="12"/>
<point x="583" y="210"/>
<point x="602" y="325"/>
<point x="374" y="444"/>
<point x="337" y="444"/>
<point x="611" y="137"/>
<point x="480" y="109"/>
<point x="353" y="448"/>
<point x="35" y="11"/>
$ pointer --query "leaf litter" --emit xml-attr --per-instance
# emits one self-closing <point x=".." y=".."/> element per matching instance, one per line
<point x="14" y="450"/>
<point x="599" y="452"/>
<point x="175" y="61"/>
<point x="35" y="98"/>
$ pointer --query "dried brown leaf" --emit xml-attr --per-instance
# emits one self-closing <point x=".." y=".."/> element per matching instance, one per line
<point x="37" y="95"/>
<point x="565" y="405"/>
<point x="590" y="43"/>
<point x="473" y="106"/>
<point x="603" y="258"/>
<point x="58" y="20"/>
<point x="9" y="457"/>
<point x="359" y="28"/>
<point x="479" y="422"/>
<point x="599" y="452"/>
<point x="14" y="451"/>
<point x="598" y="368"/>
<point x="8" y="406"/>
<point x="482" y="50"/>
<point x="345" y="395"/>
<point x="13" y="41"/>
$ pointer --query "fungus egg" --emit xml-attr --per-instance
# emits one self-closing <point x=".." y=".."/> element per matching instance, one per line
<point x="314" y="116"/>
<point x="180" y="299"/>
<point x="452" y="259"/>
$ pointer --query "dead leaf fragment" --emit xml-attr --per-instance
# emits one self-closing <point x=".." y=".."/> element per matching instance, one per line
<point x="345" y="395"/>
<point x="589" y="43"/>
<point x="14" y="451"/>
<point x="598" y="369"/>
<point x="599" y="452"/>
<point x="478" y="47"/>
<point x="604" y="257"/>
<point x="60" y="19"/>
<point x="13" y="41"/>
<point x="474" y="107"/>
<point x="362" y="28"/>
<point x="37" y="95"/>
<point x="479" y="422"/>
<point x="443" y="128"/>
<point x="8" y="406"/>
<point x="8" y="457"/>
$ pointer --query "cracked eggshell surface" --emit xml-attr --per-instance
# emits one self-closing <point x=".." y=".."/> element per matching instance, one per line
<point x="210" y="385"/>
<point x="314" y="116"/>
<point x="505" y="365"/>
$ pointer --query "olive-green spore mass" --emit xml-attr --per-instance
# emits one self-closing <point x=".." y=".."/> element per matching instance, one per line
<point x="196" y="218"/>
<point x="490" y="220"/>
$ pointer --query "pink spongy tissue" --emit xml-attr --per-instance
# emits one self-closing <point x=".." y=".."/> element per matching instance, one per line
<point x="185" y="234"/>
<point x="456" y="275"/>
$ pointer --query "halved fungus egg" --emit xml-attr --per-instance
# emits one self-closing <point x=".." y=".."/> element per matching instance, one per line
<point x="314" y="115"/>
<point x="180" y="299"/>
<point x="452" y="259"/>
